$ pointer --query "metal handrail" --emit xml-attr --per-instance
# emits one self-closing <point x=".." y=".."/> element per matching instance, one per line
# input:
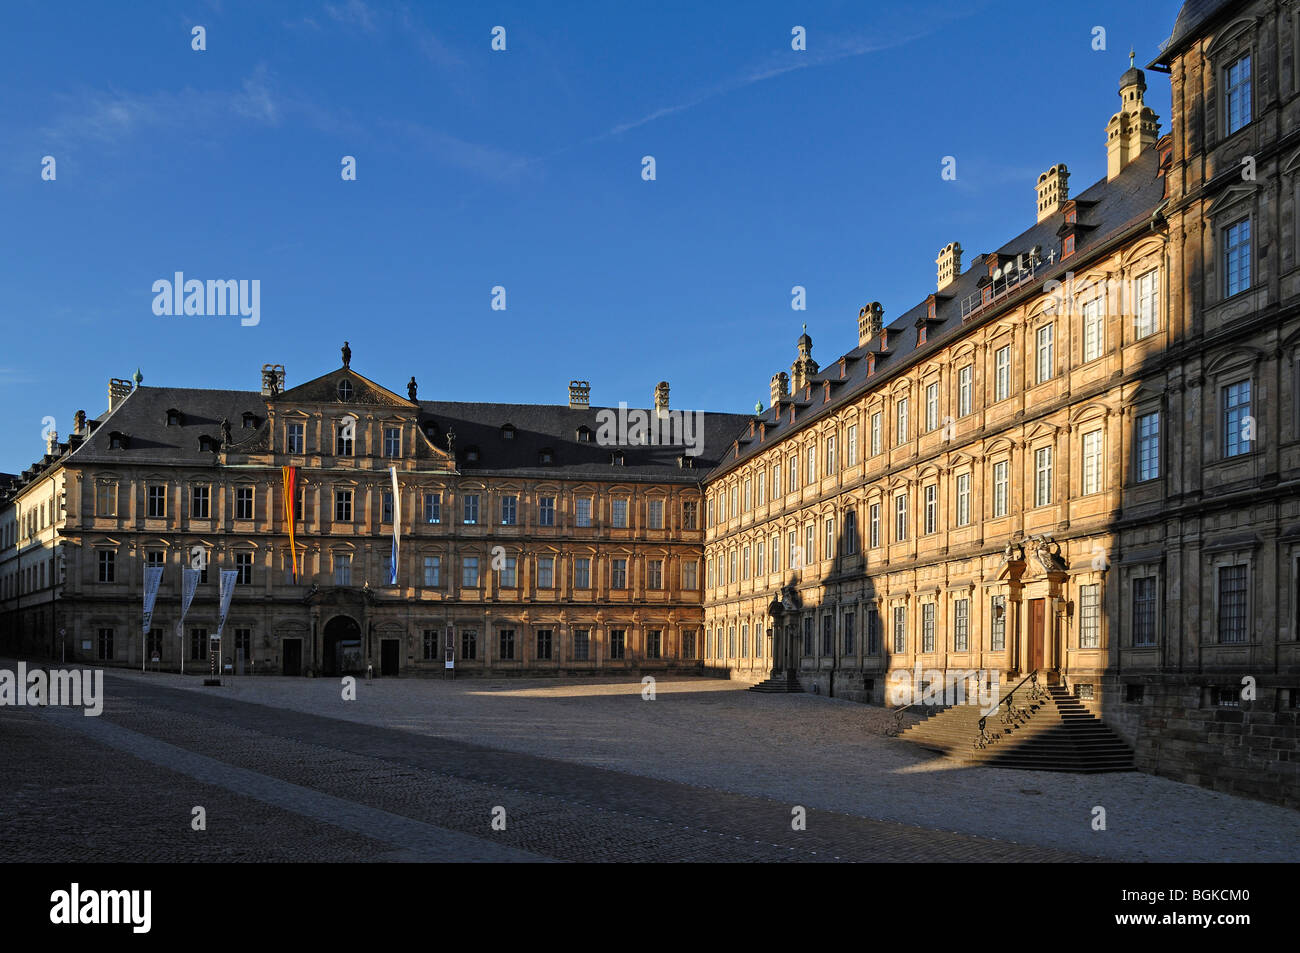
<point x="1013" y="715"/>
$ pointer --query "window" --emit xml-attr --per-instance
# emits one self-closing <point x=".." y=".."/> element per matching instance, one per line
<point x="1043" y="476"/>
<point x="508" y="576"/>
<point x="654" y="643"/>
<point x="1044" y="351"/>
<point x="848" y="633"/>
<point x="1092" y="462"/>
<point x="812" y="466"/>
<point x="1236" y="95"/>
<point x="1090" y="616"/>
<point x="1148" y="446"/>
<point x="965" y="378"/>
<point x="469" y="572"/>
<point x="546" y="511"/>
<point x="469" y="643"/>
<point x="343" y="506"/>
<point x="618" y="643"/>
<point x="1002" y="373"/>
<point x="655" y="513"/>
<point x="807" y="635"/>
<point x="873" y="631"/>
<point x="655" y="571"/>
<point x="690" y="515"/>
<point x="433" y="571"/>
<point x="875" y="433"/>
<point x="107" y="565"/>
<point x="104" y="644"/>
<point x="1238" y="424"/>
<point x="106" y="499"/>
<point x="927" y="627"/>
<point x="961" y="625"/>
<point x="200" y="502"/>
<point x="688" y="643"/>
<point x="759" y="565"/>
<point x="775" y="552"/>
<point x="509" y="510"/>
<point x="735" y="501"/>
<point x="342" y="569"/>
<point x="963" y="499"/>
<point x="1232" y="603"/>
<point x="1144" y="610"/>
<point x="618" y="572"/>
<point x="932" y="407"/>
<point x="900" y="630"/>
<point x="244" y="568"/>
<point x="1094" y="330"/>
<point x="828" y="541"/>
<point x="618" y="513"/>
<point x="344" y="431"/>
<point x="198" y="644"/>
<point x="1146" y="305"/>
<point x="810" y="544"/>
<point x="931" y="508"/>
<point x="794" y="560"/>
<point x="828" y="634"/>
<point x="852" y="459"/>
<point x="154" y="557"/>
<point x="243" y="643"/>
<point x="243" y="502"/>
<point x="1001" y="471"/>
<point x="433" y="507"/>
<point x="1236" y="258"/>
<point x="901" y="414"/>
<point x="732" y="575"/>
<point x="900" y="517"/>
<point x="429" y="644"/>
<point x="776" y="481"/>
<point x="998" y="613"/>
<point x="545" y="643"/>
<point x="830" y="455"/>
<point x="748" y="497"/>
<point x="506" y="644"/>
<point x="582" y="572"/>
<point x="386" y="506"/>
<point x="691" y="572"/>
<point x="850" y="532"/>
<point x="469" y="514"/>
<point x="545" y="572"/>
<point x="295" y="438"/>
<point x="582" y="511"/>
<point x="873" y="525"/>
<point x="581" y="645"/>
<point x="392" y="442"/>
<point x="762" y="487"/>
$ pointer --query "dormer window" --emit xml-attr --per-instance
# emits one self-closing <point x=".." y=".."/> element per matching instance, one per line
<point x="583" y="434"/>
<point x="431" y="430"/>
<point x="546" y="456"/>
<point x="471" y="454"/>
<point x="117" y="440"/>
<point x="1072" y="216"/>
<point x="930" y="309"/>
<point x="1067" y="246"/>
<point x="871" y="364"/>
<point x="344" y="389"/>
<point x="250" y="421"/>
<point x="616" y="458"/>
<point x="686" y="462"/>
<point x="175" y="418"/>
<point x="508" y="432"/>
<point x="207" y="444"/>
<point x="920" y="335"/>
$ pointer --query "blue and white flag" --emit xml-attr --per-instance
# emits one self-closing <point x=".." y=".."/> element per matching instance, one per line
<point x="228" y="577"/>
<point x="152" y="577"/>
<point x="397" y="529"/>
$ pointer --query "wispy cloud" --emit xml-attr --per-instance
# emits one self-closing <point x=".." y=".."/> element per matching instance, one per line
<point x="487" y="161"/>
<point x="352" y="13"/>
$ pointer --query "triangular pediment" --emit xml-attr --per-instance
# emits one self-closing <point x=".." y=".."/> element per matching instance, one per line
<point x="359" y="392"/>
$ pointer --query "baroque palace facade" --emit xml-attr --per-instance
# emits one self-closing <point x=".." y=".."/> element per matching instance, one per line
<point x="1078" y="456"/>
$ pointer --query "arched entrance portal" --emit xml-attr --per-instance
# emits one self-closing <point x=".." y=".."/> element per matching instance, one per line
<point x="341" y="651"/>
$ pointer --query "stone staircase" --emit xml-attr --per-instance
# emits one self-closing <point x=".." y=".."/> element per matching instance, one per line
<point x="778" y="683"/>
<point x="1054" y="731"/>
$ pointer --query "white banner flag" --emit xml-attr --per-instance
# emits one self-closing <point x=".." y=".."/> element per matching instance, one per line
<point x="189" y="583"/>
<point x="152" y="579"/>
<point x="397" y="528"/>
<point x="228" y="577"/>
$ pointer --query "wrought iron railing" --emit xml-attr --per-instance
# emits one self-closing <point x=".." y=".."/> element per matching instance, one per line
<point x="1014" y="714"/>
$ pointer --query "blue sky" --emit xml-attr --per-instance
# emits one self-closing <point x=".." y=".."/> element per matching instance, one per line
<point x="521" y="169"/>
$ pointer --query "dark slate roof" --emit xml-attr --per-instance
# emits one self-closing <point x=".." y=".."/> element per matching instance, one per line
<point x="143" y="418"/>
<point x="1192" y="18"/>
<point x="1111" y="208"/>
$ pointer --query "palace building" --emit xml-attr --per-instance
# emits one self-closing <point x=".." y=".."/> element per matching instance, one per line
<point x="1076" y="457"/>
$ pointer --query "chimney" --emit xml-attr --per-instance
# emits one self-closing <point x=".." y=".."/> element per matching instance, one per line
<point x="1134" y="128"/>
<point x="870" y="320"/>
<point x="1053" y="190"/>
<point x="661" y="398"/>
<point x="52" y="443"/>
<point x="79" y="423"/>
<point x="118" y="390"/>
<point x="579" y="395"/>
<point x="272" y="379"/>
<point x="949" y="262"/>
<point x="804" y="367"/>
<point x="780" y="387"/>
